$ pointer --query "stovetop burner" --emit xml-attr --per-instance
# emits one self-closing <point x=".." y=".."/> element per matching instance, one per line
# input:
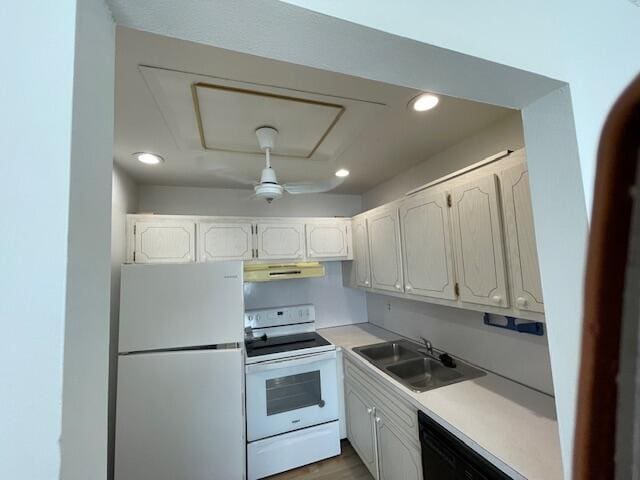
<point x="266" y="345"/>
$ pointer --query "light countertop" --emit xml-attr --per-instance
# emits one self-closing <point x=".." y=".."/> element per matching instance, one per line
<point x="511" y="425"/>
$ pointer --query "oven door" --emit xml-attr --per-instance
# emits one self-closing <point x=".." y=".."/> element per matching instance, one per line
<point x="292" y="393"/>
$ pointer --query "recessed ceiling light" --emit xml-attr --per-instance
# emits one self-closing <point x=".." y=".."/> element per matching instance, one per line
<point x="149" y="158"/>
<point x="424" y="102"/>
<point x="342" y="173"/>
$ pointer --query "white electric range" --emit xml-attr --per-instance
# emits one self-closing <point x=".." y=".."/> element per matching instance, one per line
<point x="291" y="391"/>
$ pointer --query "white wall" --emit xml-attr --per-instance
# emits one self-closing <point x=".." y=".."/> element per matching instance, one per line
<point x="86" y="342"/>
<point x="35" y="165"/>
<point x="590" y="44"/>
<point x="227" y="201"/>
<point x="524" y="358"/>
<point x="506" y="134"/>
<point x="124" y="199"/>
<point x="520" y="357"/>
<point x="335" y="304"/>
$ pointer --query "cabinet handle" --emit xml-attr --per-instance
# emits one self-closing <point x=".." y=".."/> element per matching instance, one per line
<point x="496" y="299"/>
<point x="377" y="419"/>
<point x="398" y="286"/>
<point x="366" y="283"/>
<point x="369" y="410"/>
<point x="521" y="301"/>
<point x="409" y="287"/>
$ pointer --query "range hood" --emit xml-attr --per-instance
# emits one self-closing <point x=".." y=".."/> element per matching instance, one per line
<point x="266" y="272"/>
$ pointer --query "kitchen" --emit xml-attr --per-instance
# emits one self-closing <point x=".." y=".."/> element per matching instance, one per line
<point x="369" y="270"/>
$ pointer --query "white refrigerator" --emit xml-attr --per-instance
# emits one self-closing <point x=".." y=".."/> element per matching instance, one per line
<point x="179" y="410"/>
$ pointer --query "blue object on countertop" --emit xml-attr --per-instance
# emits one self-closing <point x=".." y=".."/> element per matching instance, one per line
<point x="533" y="328"/>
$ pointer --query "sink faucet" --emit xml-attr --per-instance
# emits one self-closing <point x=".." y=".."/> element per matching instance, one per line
<point x="427" y="346"/>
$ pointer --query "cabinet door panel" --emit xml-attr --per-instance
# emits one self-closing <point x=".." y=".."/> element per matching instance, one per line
<point x="361" y="253"/>
<point x="164" y="242"/>
<point x="360" y="428"/>
<point x="398" y="458"/>
<point x="280" y="241"/>
<point x="521" y="240"/>
<point x="327" y="240"/>
<point x="384" y="250"/>
<point x="426" y="246"/>
<point x="477" y="232"/>
<point x="224" y="241"/>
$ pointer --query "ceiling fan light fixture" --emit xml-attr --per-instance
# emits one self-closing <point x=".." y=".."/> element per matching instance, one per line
<point x="424" y="102"/>
<point x="148" y="158"/>
<point x="343" y="172"/>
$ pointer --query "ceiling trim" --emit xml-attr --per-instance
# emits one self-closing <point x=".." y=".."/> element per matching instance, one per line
<point x="196" y="106"/>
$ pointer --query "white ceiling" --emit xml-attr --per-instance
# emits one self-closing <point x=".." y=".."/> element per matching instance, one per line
<point x="388" y="140"/>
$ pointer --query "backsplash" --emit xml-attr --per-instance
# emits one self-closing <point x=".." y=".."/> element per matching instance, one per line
<point x="520" y="357"/>
<point x="335" y="305"/>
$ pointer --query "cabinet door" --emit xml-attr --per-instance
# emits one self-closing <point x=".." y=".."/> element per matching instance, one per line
<point x="384" y="250"/>
<point x="225" y="241"/>
<point x="327" y="240"/>
<point x="426" y="246"/>
<point x="526" y="286"/>
<point x="164" y="241"/>
<point x="361" y="253"/>
<point x="280" y="241"/>
<point x="361" y="429"/>
<point x="477" y="234"/>
<point x="398" y="457"/>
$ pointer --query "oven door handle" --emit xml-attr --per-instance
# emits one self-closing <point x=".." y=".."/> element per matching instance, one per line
<point x="290" y="362"/>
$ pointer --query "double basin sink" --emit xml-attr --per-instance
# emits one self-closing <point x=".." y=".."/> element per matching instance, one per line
<point x="413" y="367"/>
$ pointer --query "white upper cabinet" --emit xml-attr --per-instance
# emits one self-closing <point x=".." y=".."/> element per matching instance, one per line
<point x="426" y="245"/>
<point x="281" y="241"/>
<point x="526" y="286"/>
<point x="164" y="241"/>
<point x="328" y="240"/>
<point x="477" y="236"/>
<point x="384" y="247"/>
<point x="225" y="241"/>
<point x="361" y="253"/>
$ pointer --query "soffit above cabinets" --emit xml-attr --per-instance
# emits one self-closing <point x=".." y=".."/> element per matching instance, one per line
<point x="221" y="115"/>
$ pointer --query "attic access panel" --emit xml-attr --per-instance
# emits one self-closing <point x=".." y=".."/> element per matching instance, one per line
<point x="173" y="93"/>
<point x="228" y="117"/>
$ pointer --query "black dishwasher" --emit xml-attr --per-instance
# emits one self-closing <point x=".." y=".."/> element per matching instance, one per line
<point x="444" y="457"/>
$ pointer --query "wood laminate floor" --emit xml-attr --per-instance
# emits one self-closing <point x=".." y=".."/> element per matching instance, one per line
<point x="346" y="466"/>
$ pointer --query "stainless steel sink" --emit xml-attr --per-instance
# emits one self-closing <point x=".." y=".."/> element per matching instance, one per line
<point x="413" y="367"/>
<point x="388" y="353"/>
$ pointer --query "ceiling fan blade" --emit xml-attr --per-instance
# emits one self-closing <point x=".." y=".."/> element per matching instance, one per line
<point x="226" y="172"/>
<point x="298" y="188"/>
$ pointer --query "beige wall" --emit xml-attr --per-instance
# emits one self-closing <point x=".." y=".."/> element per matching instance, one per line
<point x="502" y="135"/>
<point x="227" y="201"/>
<point x="124" y="200"/>
<point x="521" y="357"/>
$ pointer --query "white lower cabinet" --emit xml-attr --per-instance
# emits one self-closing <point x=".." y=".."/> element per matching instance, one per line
<point x="382" y="431"/>
<point x="361" y="430"/>
<point x="398" y="457"/>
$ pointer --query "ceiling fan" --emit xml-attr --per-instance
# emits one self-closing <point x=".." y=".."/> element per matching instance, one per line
<point x="267" y="187"/>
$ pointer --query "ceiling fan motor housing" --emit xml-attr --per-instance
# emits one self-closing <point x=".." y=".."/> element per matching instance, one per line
<point x="268" y="191"/>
